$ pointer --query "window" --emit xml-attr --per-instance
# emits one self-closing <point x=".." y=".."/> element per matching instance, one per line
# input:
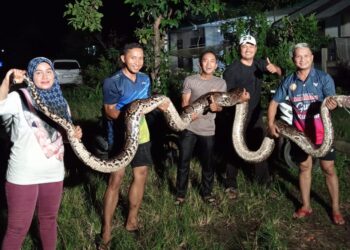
<point x="197" y="42"/>
<point x="179" y="44"/>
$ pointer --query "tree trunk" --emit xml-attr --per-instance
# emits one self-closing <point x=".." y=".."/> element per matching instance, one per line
<point x="157" y="46"/>
<point x="99" y="39"/>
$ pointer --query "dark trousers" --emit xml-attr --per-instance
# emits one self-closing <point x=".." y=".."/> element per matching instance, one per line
<point x="258" y="172"/>
<point x="205" y="144"/>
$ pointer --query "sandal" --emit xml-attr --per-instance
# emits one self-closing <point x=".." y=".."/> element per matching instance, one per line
<point x="338" y="219"/>
<point x="179" y="201"/>
<point x="101" y="245"/>
<point x="135" y="233"/>
<point x="210" y="199"/>
<point x="301" y="213"/>
<point x="231" y="193"/>
<point x="104" y="246"/>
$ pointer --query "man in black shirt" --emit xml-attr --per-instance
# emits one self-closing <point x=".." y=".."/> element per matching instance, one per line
<point x="246" y="73"/>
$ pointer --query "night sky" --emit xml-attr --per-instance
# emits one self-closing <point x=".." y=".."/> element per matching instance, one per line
<point x="37" y="28"/>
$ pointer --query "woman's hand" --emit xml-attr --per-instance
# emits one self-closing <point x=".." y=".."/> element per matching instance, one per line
<point x="17" y="76"/>
<point x="5" y="86"/>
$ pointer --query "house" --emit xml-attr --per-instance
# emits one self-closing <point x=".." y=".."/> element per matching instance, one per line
<point x="334" y="18"/>
<point x="185" y="44"/>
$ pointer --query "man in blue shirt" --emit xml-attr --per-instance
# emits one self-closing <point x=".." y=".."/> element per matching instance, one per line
<point x="122" y="88"/>
<point x="306" y="89"/>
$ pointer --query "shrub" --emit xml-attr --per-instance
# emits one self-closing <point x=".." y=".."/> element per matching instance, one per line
<point x="107" y="65"/>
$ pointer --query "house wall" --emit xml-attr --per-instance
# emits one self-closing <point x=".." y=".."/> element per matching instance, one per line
<point x="173" y="60"/>
<point x="345" y="28"/>
<point x="189" y="39"/>
<point x="338" y="25"/>
<point x="213" y="36"/>
<point x="332" y="25"/>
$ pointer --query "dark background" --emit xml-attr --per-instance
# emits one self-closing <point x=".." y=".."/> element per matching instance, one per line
<point x="37" y="28"/>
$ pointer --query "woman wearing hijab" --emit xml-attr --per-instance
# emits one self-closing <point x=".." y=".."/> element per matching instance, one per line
<point x="35" y="173"/>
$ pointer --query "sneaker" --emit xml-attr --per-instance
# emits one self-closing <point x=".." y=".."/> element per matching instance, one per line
<point x="231" y="193"/>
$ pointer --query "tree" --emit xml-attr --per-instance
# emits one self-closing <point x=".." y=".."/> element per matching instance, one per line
<point x="159" y="16"/>
<point x="84" y="15"/>
<point x="274" y="41"/>
<point x="156" y="18"/>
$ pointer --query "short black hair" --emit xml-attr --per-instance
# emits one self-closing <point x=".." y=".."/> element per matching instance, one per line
<point x="130" y="46"/>
<point x="207" y="52"/>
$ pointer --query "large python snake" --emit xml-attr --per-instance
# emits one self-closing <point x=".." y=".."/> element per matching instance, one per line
<point x="179" y="122"/>
<point x="287" y="131"/>
<point x="133" y="115"/>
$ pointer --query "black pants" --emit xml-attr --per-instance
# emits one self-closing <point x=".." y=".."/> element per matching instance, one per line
<point x="188" y="141"/>
<point x="258" y="172"/>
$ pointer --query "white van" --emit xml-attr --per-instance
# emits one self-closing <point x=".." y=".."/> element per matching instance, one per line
<point x="68" y="71"/>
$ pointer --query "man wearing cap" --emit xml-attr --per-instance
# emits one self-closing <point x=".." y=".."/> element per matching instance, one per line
<point x="247" y="72"/>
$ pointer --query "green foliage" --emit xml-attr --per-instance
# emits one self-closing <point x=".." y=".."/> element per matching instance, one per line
<point x="283" y="37"/>
<point x="172" y="12"/>
<point x="340" y="118"/>
<point x="156" y="18"/>
<point x="84" y="15"/>
<point x="274" y="42"/>
<point x="106" y="65"/>
<point x="85" y="102"/>
<point x="268" y="235"/>
<point x="161" y="83"/>
<point x="257" y="26"/>
<point x="173" y="85"/>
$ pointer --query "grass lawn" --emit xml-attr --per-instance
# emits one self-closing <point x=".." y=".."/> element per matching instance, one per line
<point x="259" y="219"/>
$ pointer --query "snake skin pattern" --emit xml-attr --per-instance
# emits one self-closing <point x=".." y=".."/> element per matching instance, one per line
<point x="287" y="131"/>
<point x="132" y="118"/>
<point x="200" y="106"/>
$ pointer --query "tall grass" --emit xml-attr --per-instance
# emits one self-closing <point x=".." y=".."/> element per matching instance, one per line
<point x="259" y="219"/>
<point x="85" y="102"/>
<point x="340" y="118"/>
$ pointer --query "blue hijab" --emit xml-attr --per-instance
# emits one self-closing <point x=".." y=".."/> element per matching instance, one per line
<point x="53" y="97"/>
